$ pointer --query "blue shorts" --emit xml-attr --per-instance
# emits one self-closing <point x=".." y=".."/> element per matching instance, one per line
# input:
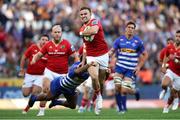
<point x="125" y="72"/>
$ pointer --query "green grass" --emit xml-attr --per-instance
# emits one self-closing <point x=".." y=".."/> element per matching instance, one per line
<point x="108" y="114"/>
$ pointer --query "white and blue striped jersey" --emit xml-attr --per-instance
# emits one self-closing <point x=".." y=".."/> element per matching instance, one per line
<point x="67" y="84"/>
<point x="128" y="51"/>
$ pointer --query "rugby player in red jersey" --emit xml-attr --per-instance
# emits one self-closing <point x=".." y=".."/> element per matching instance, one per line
<point x="97" y="51"/>
<point x="162" y="57"/>
<point x="173" y="71"/>
<point x="33" y="77"/>
<point x="58" y="50"/>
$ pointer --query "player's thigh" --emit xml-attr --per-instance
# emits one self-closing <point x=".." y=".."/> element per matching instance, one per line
<point x="102" y="75"/>
<point x="168" y="77"/>
<point x="26" y="91"/>
<point x="37" y="85"/>
<point x="103" y="61"/>
<point x="27" y="84"/>
<point x="176" y="82"/>
<point x="46" y="84"/>
<point x="94" y="71"/>
<point x="36" y="90"/>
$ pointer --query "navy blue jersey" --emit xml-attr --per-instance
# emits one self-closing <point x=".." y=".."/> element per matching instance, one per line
<point x="128" y="51"/>
<point x="68" y="84"/>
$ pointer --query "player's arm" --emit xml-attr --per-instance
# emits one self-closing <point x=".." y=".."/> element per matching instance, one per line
<point x="22" y="63"/>
<point x="75" y="56"/>
<point x="142" y="58"/>
<point x="111" y="52"/>
<point x="84" y="68"/>
<point x="36" y="57"/>
<point x="164" y="64"/>
<point x="91" y="31"/>
<point x="84" y="54"/>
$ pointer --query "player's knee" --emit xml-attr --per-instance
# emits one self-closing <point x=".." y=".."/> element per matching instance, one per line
<point x="26" y="94"/>
<point x="117" y="87"/>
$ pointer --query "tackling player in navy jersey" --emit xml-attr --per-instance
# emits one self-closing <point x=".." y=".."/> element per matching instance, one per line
<point x="65" y="85"/>
<point x="131" y="56"/>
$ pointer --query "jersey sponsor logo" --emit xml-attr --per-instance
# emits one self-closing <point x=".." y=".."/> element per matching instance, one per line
<point x="50" y="47"/>
<point x="56" y="53"/>
<point x="127" y="50"/>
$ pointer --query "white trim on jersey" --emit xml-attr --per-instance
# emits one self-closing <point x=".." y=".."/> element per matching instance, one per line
<point x="130" y="68"/>
<point x="128" y="58"/>
<point x="129" y="54"/>
<point x="128" y="63"/>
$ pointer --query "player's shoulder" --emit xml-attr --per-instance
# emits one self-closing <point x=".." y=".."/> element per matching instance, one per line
<point x="136" y="37"/>
<point x="49" y="42"/>
<point x="32" y="46"/>
<point x="120" y="38"/>
<point x="65" y="41"/>
<point x="94" y="21"/>
<point x="170" y="45"/>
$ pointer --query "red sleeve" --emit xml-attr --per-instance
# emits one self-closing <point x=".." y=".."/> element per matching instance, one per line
<point x="162" y="54"/>
<point x="44" y="49"/>
<point x="95" y="22"/>
<point x="27" y="53"/>
<point x="166" y="51"/>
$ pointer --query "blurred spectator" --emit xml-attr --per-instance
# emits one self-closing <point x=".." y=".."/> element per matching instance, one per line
<point x="146" y="76"/>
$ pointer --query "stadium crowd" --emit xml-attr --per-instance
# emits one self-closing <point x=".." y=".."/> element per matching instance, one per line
<point x="23" y="21"/>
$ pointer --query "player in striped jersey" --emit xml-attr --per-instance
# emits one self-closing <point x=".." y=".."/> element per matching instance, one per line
<point x="65" y="85"/>
<point x="131" y="56"/>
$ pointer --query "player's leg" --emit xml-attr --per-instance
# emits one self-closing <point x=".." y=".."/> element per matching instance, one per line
<point x="54" y="91"/>
<point x="173" y="94"/>
<point x="117" y="80"/>
<point x="47" y="78"/>
<point x="35" y="91"/>
<point x="27" y="85"/>
<point x="128" y="87"/>
<point x="27" y="89"/>
<point x="166" y="81"/>
<point x="87" y="88"/>
<point x="70" y="101"/>
<point x="103" y="66"/>
<point x="176" y="86"/>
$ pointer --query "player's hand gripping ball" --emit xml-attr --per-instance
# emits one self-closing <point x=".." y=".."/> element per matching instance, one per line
<point x="88" y="38"/>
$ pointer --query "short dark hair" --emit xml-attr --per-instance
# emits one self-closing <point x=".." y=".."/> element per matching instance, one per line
<point x="170" y="38"/>
<point x="44" y="35"/>
<point x="178" y="31"/>
<point x="86" y="8"/>
<point x="131" y="23"/>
